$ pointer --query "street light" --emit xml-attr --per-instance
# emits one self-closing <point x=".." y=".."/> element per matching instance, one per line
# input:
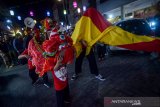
<point x="79" y="10"/>
<point x="75" y="4"/>
<point x="31" y="13"/>
<point x="84" y="8"/>
<point x="62" y="23"/>
<point x="8" y="27"/>
<point x="65" y="12"/>
<point x="48" y="13"/>
<point x="59" y="0"/>
<point x="9" y="21"/>
<point x="19" y="17"/>
<point x="11" y="12"/>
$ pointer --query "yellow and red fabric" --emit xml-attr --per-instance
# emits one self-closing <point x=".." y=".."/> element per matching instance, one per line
<point x="92" y="27"/>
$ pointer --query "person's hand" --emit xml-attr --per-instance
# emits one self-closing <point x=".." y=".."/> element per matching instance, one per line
<point x="27" y="56"/>
<point x="59" y="63"/>
<point x="59" y="59"/>
<point x="84" y="43"/>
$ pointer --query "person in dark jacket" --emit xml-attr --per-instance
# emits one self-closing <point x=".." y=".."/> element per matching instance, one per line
<point x="27" y="38"/>
<point x="3" y="53"/>
<point x="18" y="43"/>
<point x="18" y="46"/>
<point x="11" y="52"/>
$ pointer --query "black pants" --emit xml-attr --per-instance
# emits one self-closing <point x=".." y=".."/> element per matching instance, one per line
<point x="91" y="60"/>
<point x="101" y="51"/>
<point x="62" y="96"/>
<point x="34" y="76"/>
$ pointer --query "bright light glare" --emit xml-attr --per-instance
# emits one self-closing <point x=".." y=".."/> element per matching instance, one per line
<point x="110" y="16"/>
<point x="8" y="21"/>
<point x="35" y="21"/>
<point x="48" y="13"/>
<point x="18" y="32"/>
<point x="62" y="23"/>
<point x="84" y="8"/>
<point x="8" y="27"/>
<point x="75" y="4"/>
<point x="11" y="12"/>
<point x="31" y="13"/>
<point x="65" y="12"/>
<point x="153" y="23"/>
<point x="79" y="10"/>
<point x="19" y="17"/>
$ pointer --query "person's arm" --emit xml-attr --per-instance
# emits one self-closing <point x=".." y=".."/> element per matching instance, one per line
<point x="59" y="63"/>
<point x="84" y="43"/>
<point x="23" y="56"/>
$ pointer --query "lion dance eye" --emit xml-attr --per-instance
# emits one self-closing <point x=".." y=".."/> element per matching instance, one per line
<point x="62" y="37"/>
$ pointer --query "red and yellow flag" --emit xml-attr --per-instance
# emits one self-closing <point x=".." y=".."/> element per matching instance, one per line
<point x="92" y="27"/>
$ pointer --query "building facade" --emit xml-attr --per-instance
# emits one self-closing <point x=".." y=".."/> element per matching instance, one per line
<point x="115" y="10"/>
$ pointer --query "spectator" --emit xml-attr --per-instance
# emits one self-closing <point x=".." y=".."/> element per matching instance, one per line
<point x="3" y="51"/>
<point x="18" y="46"/>
<point x="11" y="52"/>
<point x="18" y="43"/>
<point x="27" y="38"/>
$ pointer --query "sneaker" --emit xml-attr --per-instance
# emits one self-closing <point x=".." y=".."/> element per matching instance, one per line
<point x="74" y="77"/>
<point x="100" y="77"/>
<point x="46" y="85"/>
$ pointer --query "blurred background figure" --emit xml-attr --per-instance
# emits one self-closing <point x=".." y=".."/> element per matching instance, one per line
<point x="3" y="53"/>
<point x="18" y="46"/>
<point x="28" y="36"/>
<point x="18" y="43"/>
<point x="11" y="53"/>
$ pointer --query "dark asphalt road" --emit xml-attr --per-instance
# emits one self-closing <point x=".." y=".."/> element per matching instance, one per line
<point x="128" y="74"/>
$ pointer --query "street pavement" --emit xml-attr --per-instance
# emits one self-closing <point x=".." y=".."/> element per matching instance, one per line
<point x="128" y="74"/>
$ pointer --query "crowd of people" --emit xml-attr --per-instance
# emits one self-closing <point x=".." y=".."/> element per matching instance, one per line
<point x="10" y="48"/>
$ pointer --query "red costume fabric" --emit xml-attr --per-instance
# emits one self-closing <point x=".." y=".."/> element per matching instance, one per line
<point x="58" y="44"/>
<point x="30" y="65"/>
<point x="35" y="51"/>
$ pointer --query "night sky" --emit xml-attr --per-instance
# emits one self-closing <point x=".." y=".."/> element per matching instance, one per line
<point x="23" y="7"/>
